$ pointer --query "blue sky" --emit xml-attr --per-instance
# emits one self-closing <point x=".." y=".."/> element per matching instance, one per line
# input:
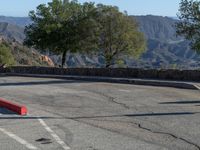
<point x="133" y="7"/>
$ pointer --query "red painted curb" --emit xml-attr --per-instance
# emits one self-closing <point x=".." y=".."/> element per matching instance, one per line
<point x="21" y="110"/>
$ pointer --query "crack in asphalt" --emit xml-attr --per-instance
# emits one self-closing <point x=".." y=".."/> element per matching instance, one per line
<point x="143" y="128"/>
<point x="111" y="99"/>
<point x="170" y="134"/>
<point x="137" y="124"/>
<point x="159" y="132"/>
<point x="116" y="132"/>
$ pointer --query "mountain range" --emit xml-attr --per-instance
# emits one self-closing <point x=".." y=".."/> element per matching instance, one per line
<point x="19" y="21"/>
<point x="164" y="48"/>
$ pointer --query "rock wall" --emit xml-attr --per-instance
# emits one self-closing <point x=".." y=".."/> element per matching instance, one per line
<point x="182" y="75"/>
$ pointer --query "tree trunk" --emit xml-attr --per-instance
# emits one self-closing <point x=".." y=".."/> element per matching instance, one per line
<point x="108" y="61"/>
<point x="64" y="59"/>
<point x="108" y="65"/>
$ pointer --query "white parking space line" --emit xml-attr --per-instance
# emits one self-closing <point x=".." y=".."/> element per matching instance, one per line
<point x="122" y="90"/>
<point x="54" y="135"/>
<point x="18" y="139"/>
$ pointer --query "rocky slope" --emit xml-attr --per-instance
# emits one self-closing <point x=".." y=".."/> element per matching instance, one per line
<point x="12" y="36"/>
<point x="11" y="32"/>
<point x="26" y="56"/>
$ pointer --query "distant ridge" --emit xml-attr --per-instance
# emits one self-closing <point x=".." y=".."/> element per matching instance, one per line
<point x="174" y="17"/>
<point x="165" y="49"/>
<point x="20" y="21"/>
<point x="158" y="27"/>
<point x="11" y="32"/>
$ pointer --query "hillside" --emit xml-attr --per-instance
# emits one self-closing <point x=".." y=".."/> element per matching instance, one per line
<point x="11" y="32"/>
<point x="164" y="48"/>
<point x="12" y="35"/>
<point x="158" y="28"/>
<point x="25" y="56"/>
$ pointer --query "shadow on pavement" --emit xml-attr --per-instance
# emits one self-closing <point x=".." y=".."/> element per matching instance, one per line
<point x="4" y="111"/>
<point x="138" y="115"/>
<point x="182" y="102"/>
<point x="41" y="82"/>
<point x="28" y="118"/>
<point x="106" y="116"/>
<point x="161" y="114"/>
<point x="7" y="114"/>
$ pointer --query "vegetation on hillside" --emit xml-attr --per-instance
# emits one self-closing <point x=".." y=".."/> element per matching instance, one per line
<point x="67" y="26"/>
<point x="14" y="53"/>
<point x="25" y="56"/>
<point x="6" y="56"/>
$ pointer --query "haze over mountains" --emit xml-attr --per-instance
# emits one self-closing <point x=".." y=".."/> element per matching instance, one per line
<point x="20" y="21"/>
<point x="164" y="49"/>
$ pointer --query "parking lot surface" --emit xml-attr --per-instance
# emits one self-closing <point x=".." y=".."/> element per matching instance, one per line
<point x="81" y="115"/>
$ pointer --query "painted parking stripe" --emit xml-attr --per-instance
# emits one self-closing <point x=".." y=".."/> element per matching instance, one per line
<point x="54" y="135"/>
<point x="18" y="139"/>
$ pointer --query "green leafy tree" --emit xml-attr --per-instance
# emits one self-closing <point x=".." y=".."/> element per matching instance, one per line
<point x="119" y="35"/>
<point x="189" y="24"/>
<point x="63" y="26"/>
<point x="6" y="56"/>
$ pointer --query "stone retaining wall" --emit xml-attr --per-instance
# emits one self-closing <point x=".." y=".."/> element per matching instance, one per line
<point x="187" y="75"/>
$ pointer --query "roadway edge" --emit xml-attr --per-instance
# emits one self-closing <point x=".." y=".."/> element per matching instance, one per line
<point x="150" y="82"/>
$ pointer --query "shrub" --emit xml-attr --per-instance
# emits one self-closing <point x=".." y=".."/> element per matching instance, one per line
<point x="6" y="56"/>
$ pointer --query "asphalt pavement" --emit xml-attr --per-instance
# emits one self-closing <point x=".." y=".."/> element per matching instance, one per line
<point x="82" y="115"/>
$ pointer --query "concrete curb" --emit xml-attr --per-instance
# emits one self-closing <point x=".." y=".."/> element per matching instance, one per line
<point x="150" y="82"/>
<point x="21" y="110"/>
